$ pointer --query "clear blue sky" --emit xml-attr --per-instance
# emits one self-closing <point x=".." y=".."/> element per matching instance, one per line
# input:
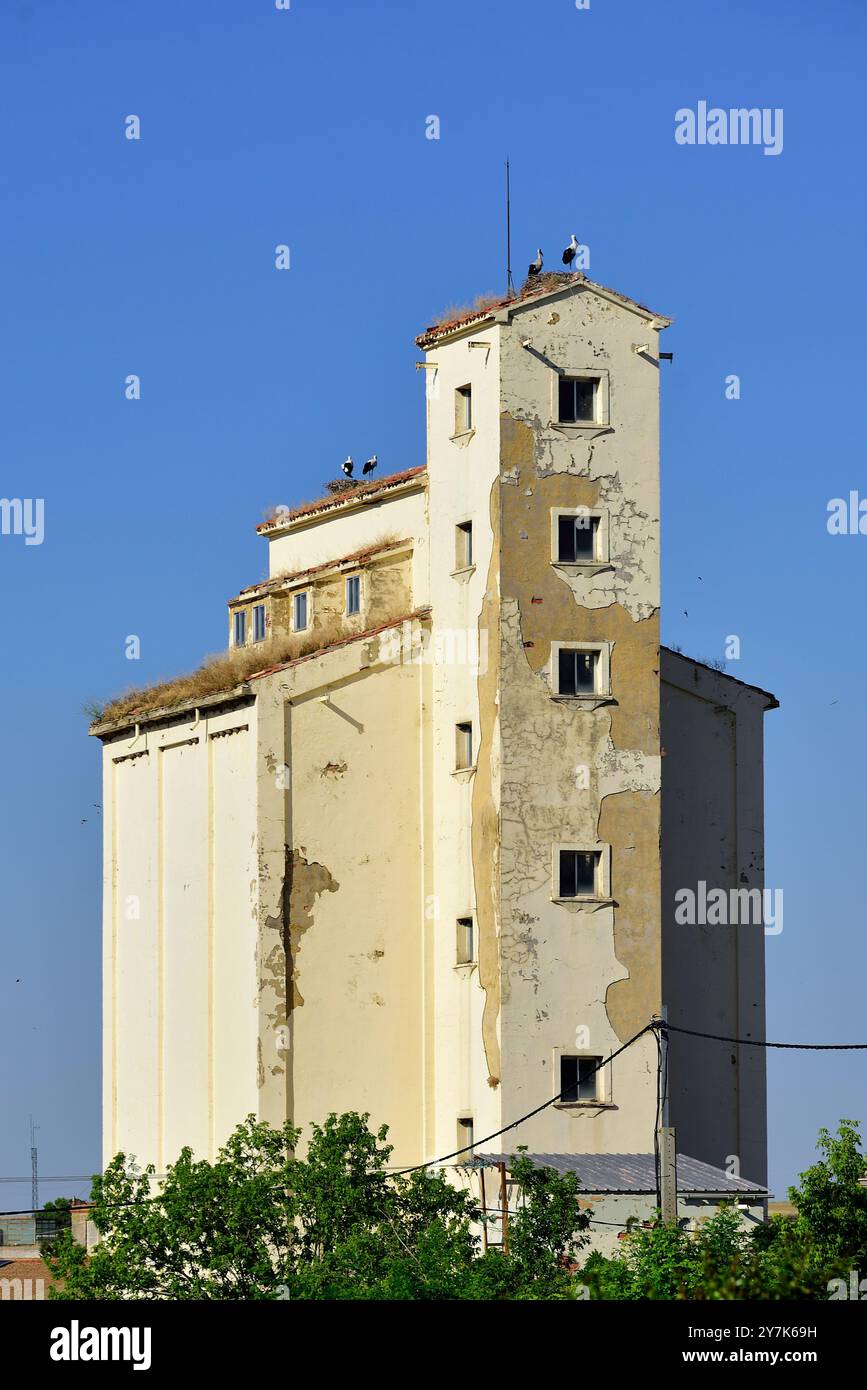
<point x="307" y="127"/>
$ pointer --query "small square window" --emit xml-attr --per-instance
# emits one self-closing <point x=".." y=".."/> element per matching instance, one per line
<point x="353" y="594"/>
<point x="579" y="873"/>
<point x="579" y="1078"/>
<point x="465" y="1137"/>
<point x="577" y="671"/>
<point x="463" y="409"/>
<point x="464" y="545"/>
<point x="577" y="538"/>
<point x="299" y="612"/>
<point x="259" y="623"/>
<point x="577" y="397"/>
<point x="239" y="631"/>
<point x="466" y="945"/>
<point x="463" y="746"/>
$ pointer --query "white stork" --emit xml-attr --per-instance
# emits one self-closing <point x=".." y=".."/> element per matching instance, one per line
<point x="571" y="250"/>
<point x="348" y="466"/>
<point x="536" y="265"/>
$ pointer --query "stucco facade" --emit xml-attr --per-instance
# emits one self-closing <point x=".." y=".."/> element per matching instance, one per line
<point x="352" y="870"/>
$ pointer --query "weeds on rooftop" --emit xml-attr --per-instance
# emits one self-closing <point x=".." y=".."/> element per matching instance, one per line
<point x="222" y="672"/>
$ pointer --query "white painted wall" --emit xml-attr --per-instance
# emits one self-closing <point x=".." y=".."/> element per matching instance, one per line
<point x="179" y="984"/>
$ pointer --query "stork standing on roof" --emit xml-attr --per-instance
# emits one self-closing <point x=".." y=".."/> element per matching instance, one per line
<point x="370" y="464"/>
<point x="348" y="466"/>
<point x="536" y="265"/>
<point x="571" y="250"/>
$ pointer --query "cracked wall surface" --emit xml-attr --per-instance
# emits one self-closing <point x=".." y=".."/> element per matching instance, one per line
<point x="304" y="857"/>
<point x="579" y="970"/>
<point x="341" y="938"/>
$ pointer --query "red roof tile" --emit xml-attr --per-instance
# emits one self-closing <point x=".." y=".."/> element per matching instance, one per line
<point x="547" y="283"/>
<point x="267" y="586"/>
<point x="336" y="500"/>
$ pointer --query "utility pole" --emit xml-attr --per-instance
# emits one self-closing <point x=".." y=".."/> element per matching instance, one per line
<point x="34" y="1167"/>
<point x="668" y="1172"/>
<point x="666" y="1137"/>
<point x="504" y="1206"/>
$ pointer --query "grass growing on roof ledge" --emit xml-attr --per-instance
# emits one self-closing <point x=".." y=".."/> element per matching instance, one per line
<point x="460" y="311"/>
<point x="225" y="670"/>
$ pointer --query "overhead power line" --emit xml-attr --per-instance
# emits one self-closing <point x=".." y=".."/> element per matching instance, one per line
<point x="656" y="1026"/>
<point x="760" y="1042"/>
<point x="417" y="1167"/>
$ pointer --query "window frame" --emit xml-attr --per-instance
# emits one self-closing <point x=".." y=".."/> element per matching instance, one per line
<point x="465" y="1150"/>
<point x="464" y="729"/>
<point x="465" y="932"/>
<point x="464" y="412"/>
<point x="306" y="595"/>
<point x="603" y="1079"/>
<point x="356" y="580"/>
<point x="257" y="609"/>
<point x="601" y="547"/>
<point x="239" y="619"/>
<point x="602" y="400"/>
<point x="574" y="381"/>
<point x="464" y="552"/>
<point x="602" y="877"/>
<point x="603" y="670"/>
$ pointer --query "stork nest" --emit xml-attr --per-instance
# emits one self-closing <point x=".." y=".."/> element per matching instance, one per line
<point x="338" y="485"/>
<point x="550" y="280"/>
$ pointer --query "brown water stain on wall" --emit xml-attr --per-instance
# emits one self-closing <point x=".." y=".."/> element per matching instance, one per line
<point x="627" y="822"/>
<point x="548" y="612"/>
<point x="485" y="817"/>
<point x="304" y="884"/>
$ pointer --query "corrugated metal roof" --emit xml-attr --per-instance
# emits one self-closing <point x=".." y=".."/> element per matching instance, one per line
<point x="633" y="1172"/>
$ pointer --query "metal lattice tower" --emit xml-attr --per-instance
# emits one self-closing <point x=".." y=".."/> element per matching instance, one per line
<point x="34" y="1167"/>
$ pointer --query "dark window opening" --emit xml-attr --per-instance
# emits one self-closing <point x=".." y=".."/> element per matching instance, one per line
<point x="466" y="944"/>
<point x="577" y="538"/>
<point x="577" y="400"/>
<point x="579" y="1078"/>
<point x="579" y="873"/>
<point x="576" y="671"/>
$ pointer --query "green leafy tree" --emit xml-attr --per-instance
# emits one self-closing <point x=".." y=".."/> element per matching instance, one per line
<point x="831" y="1203"/>
<point x="784" y="1258"/>
<point x="60" y="1209"/>
<point x="260" y="1223"/>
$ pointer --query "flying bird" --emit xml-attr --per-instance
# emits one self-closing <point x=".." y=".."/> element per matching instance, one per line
<point x="571" y="250"/>
<point x="370" y="464"/>
<point x="536" y="265"/>
<point x="348" y="466"/>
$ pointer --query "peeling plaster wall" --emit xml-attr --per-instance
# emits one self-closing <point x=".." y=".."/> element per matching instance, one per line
<point x="386" y="589"/>
<point x="180" y="889"/>
<point x="564" y="966"/>
<point x="463" y="1063"/>
<point x="714" y="976"/>
<point x="342" y="1015"/>
<point x="302" y="862"/>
